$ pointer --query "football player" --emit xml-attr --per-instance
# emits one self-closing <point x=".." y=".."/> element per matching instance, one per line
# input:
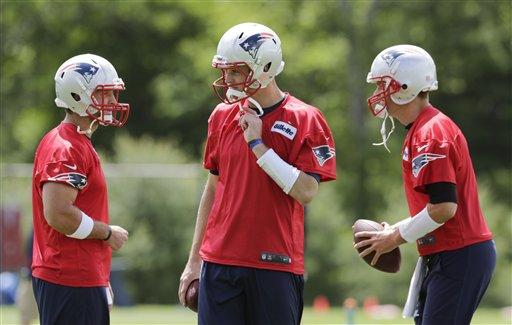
<point x="266" y="152"/>
<point x="457" y="252"/>
<point x="73" y="240"/>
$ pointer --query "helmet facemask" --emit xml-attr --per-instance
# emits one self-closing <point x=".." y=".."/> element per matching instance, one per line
<point x="378" y="104"/>
<point x="386" y="86"/>
<point x="108" y="112"/>
<point x="243" y="90"/>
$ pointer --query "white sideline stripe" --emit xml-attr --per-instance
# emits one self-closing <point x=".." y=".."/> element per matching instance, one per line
<point x="18" y="170"/>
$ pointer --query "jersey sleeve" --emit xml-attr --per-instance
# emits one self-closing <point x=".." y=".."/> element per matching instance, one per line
<point x="210" y="158"/>
<point x="317" y="153"/>
<point x="68" y="166"/>
<point x="433" y="162"/>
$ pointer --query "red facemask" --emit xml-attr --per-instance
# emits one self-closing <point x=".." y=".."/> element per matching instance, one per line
<point x="106" y="112"/>
<point x="221" y="86"/>
<point x="386" y="87"/>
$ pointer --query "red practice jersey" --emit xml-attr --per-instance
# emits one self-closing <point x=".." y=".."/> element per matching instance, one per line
<point x="435" y="150"/>
<point x="67" y="157"/>
<point x="253" y="222"/>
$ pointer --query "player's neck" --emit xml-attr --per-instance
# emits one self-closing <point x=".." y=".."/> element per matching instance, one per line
<point x="408" y="113"/>
<point x="269" y="95"/>
<point x="83" y="122"/>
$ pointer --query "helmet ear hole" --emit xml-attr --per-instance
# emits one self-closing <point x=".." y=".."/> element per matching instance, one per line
<point x="404" y="86"/>
<point x="267" y="67"/>
<point x="75" y="96"/>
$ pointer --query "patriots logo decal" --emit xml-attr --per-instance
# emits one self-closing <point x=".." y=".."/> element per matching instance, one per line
<point x="422" y="160"/>
<point x="391" y="56"/>
<point x="252" y="44"/>
<point x="323" y="153"/>
<point x="76" y="180"/>
<point x="85" y="69"/>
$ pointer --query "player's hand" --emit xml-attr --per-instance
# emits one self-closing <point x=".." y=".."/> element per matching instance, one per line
<point x="380" y="242"/>
<point x="251" y="124"/>
<point x="118" y="238"/>
<point x="191" y="272"/>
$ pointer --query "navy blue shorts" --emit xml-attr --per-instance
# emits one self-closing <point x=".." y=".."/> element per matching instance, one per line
<point x="64" y="305"/>
<point x="244" y="295"/>
<point x="455" y="283"/>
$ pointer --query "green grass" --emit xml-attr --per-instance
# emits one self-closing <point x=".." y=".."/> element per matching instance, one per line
<point x="161" y="314"/>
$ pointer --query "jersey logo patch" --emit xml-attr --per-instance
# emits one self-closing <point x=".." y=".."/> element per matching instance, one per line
<point x="76" y="180"/>
<point x="323" y="153"/>
<point x="422" y="160"/>
<point x="285" y="129"/>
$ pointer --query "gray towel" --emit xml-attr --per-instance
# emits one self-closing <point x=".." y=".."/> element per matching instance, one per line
<point x="414" y="289"/>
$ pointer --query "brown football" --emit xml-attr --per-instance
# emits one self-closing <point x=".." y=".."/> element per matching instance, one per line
<point x="389" y="262"/>
<point x="192" y="295"/>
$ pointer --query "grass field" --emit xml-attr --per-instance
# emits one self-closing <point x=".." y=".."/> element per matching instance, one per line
<point x="161" y="314"/>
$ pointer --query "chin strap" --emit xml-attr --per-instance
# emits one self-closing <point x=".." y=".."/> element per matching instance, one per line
<point x="233" y="94"/>
<point x="385" y="137"/>
<point x="259" y="111"/>
<point x="87" y="132"/>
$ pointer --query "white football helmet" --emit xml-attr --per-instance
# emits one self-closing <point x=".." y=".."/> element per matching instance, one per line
<point x="402" y="72"/>
<point x="79" y="77"/>
<point x="255" y="46"/>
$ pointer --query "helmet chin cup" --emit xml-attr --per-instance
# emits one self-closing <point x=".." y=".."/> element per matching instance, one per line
<point x="233" y="95"/>
<point x="382" y="113"/>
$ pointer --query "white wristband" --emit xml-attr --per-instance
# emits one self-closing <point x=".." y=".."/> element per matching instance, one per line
<point x="284" y="174"/>
<point x="413" y="228"/>
<point x="84" y="229"/>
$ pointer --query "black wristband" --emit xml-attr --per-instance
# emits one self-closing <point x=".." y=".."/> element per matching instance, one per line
<point x="254" y="143"/>
<point x="109" y="234"/>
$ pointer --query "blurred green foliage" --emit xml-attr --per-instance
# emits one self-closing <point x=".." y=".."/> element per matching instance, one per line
<point x="163" y="50"/>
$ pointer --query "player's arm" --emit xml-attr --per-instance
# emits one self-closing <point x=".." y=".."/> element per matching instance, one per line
<point x="299" y="185"/>
<point x="193" y="266"/>
<point x="62" y="215"/>
<point x="205" y="205"/>
<point x="294" y="182"/>
<point x="441" y="207"/>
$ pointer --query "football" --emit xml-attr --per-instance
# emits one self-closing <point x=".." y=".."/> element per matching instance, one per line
<point x="389" y="262"/>
<point x="192" y="295"/>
